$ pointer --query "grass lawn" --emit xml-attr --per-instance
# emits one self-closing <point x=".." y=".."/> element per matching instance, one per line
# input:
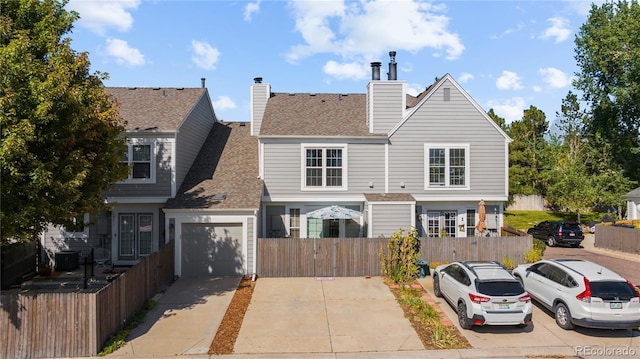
<point x="525" y="219"/>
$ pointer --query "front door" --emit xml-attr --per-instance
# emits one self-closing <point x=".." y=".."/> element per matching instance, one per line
<point x="135" y="233"/>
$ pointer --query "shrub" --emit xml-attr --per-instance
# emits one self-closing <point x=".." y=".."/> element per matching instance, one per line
<point x="399" y="263"/>
<point x="508" y="262"/>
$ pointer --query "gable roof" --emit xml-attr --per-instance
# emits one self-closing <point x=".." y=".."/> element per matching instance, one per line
<point x="323" y="114"/>
<point x="225" y="172"/>
<point x="159" y="109"/>
<point x="425" y="95"/>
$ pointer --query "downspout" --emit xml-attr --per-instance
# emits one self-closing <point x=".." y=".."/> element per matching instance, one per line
<point x="255" y="245"/>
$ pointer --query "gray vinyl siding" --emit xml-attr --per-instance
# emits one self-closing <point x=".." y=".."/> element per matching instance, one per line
<point x="259" y="96"/>
<point x="162" y="186"/>
<point x="457" y="122"/>
<point x="283" y="169"/>
<point x="386" y="105"/>
<point x="191" y="135"/>
<point x="249" y="247"/>
<point x="388" y="218"/>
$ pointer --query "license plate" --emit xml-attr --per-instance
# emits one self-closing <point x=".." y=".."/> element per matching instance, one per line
<point x="507" y="306"/>
<point x="615" y="305"/>
<point x="572" y="234"/>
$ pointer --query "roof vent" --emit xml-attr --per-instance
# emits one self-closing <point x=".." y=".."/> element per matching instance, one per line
<point x="202" y="80"/>
<point x="243" y="124"/>
<point x="375" y="70"/>
<point x="393" y="67"/>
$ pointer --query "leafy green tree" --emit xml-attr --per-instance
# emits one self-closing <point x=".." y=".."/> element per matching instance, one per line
<point x="608" y="54"/>
<point x="528" y="153"/>
<point x="60" y="146"/>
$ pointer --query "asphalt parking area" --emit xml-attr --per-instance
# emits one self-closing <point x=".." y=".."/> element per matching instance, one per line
<point x="543" y="331"/>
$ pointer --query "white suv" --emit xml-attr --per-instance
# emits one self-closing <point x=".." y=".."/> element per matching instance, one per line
<point x="483" y="293"/>
<point x="582" y="293"/>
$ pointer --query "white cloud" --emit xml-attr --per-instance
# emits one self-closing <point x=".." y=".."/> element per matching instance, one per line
<point x="537" y="89"/>
<point x="559" y="29"/>
<point x="99" y="16"/>
<point x="223" y="103"/>
<point x="465" y="77"/>
<point x="250" y="9"/>
<point x="554" y="77"/>
<point x="123" y="54"/>
<point x="352" y="70"/>
<point x="508" y="81"/>
<point x="205" y="56"/>
<point x="364" y="30"/>
<point x="511" y="109"/>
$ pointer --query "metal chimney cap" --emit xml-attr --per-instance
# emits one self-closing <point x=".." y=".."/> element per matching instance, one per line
<point x="202" y="80"/>
<point x="257" y="80"/>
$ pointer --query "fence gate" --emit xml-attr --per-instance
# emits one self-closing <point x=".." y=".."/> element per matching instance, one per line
<point x="324" y="257"/>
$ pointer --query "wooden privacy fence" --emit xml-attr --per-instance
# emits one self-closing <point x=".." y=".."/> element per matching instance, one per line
<point x="17" y="261"/>
<point x="38" y="324"/>
<point x="351" y="257"/>
<point x="618" y="238"/>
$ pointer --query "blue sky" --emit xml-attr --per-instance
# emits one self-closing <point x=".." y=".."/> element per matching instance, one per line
<point x="507" y="54"/>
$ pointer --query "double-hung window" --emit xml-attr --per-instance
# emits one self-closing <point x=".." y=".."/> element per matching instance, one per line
<point x="447" y="166"/>
<point x="140" y="158"/>
<point x="324" y="167"/>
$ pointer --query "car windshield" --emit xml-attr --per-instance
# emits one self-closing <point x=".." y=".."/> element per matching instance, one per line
<point x="612" y="290"/>
<point x="500" y="288"/>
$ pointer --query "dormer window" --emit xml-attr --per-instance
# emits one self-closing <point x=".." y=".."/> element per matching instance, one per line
<point x="140" y="158"/>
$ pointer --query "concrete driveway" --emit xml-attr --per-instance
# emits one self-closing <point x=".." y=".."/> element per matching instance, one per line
<point x="184" y="321"/>
<point x="543" y="332"/>
<point x="309" y="315"/>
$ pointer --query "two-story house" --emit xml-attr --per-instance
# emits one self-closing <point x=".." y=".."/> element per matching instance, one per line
<point x="401" y="161"/>
<point x="164" y="128"/>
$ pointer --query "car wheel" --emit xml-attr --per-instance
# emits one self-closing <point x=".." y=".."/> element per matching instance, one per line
<point x="563" y="317"/>
<point x="551" y="242"/>
<point x="436" y="286"/>
<point x="465" y="323"/>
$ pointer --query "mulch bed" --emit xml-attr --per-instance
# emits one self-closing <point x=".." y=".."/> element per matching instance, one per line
<point x="229" y="328"/>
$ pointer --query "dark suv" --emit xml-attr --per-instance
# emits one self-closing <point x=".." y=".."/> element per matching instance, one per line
<point x="558" y="232"/>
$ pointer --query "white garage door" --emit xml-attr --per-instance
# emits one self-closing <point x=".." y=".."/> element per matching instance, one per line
<point x="210" y="249"/>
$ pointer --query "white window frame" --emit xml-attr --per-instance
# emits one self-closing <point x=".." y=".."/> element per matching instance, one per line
<point x="447" y="180"/>
<point x="152" y="170"/>
<point x="290" y="226"/>
<point x="324" y="147"/>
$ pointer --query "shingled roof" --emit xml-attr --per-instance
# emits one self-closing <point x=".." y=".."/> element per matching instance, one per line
<point x="323" y="114"/>
<point x="160" y="109"/>
<point x="225" y="173"/>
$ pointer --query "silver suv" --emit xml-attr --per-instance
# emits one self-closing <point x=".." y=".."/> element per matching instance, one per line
<point x="483" y="293"/>
<point x="582" y="293"/>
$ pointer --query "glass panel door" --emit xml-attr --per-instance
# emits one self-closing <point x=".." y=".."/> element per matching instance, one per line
<point x="126" y="235"/>
<point x="145" y="234"/>
<point x="135" y="231"/>
<point x="450" y="219"/>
